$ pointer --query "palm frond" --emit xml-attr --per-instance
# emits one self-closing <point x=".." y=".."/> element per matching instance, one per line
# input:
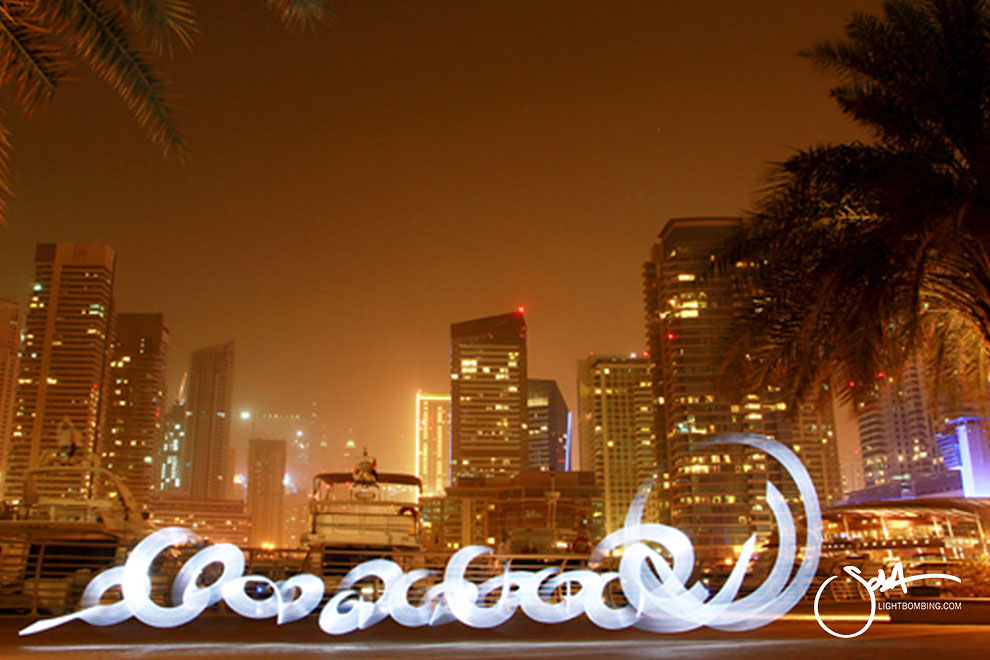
<point x="5" y="193"/>
<point x="97" y="34"/>
<point x="298" y="14"/>
<point x="164" y="21"/>
<point x="30" y="62"/>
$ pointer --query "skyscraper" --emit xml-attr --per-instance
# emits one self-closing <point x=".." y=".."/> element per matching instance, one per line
<point x="716" y="492"/>
<point x="265" y="491"/>
<point x="966" y="448"/>
<point x="137" y="400"/>
<point x="433" y="442"/>
<point x="208" y="408"/>
<point x="896" y="433"/>
<point x="488" y="396"/>
<point x="616" y="429"/>
<point x="172" y="469"/>
<point x="10" y="344"/>
<point x="812" y="437"/>
<point x="65" y="354"/>
<point x="548" y="427"/>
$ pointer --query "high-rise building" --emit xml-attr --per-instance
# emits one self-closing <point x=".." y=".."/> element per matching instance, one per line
<point x="433" y="442"/>
<point x="812" y="437"/>
<point x="137" y="400"/>
<point x="299" y="459"/>
<point x="549" y="427"/>
<point x="208" y="415"/>
<point x="172" y="460"/>
<point x="488" y="396"/>
<point x="172" y="464"/>
<point x="65" y="355"/>
<point x="896" y="433"/>
<point x="716" y="493"/>
<point x="265" y="491"/>
<point x="10" y="344"/>
<point x="616" y="430"/>
<point x="966" y="448"/>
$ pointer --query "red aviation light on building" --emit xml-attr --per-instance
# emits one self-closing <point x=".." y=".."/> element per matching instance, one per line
<point x="521" y="309"/>
<point x="670" y="335"/>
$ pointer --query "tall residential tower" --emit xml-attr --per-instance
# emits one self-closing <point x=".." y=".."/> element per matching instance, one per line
<point x="548" y="427"/>
<point x="616" y="430"/>
<point x="137" y="400"/>
<point x="65" y="355"/>
<point x="896" y="433"/>
<point x="266" y="491"/>
<point x="433" y="442"/>
<point x="208" y="415"/>
<point x="10" y="344"/>
<point x="716" y="492"/>
<point x="488" y="396"/>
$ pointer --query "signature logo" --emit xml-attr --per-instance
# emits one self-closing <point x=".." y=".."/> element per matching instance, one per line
<point x="880" y="583"/>
<point x="656" y="587"/>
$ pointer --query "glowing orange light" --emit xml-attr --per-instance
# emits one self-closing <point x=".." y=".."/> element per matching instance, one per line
<point x="521" y="309"/>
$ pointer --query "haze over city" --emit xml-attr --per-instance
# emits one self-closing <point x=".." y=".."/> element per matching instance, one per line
<point x="508" y="328"/>
<point x="351" y="191"/>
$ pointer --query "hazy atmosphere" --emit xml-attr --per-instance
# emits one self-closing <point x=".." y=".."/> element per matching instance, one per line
<point x="350" y="192"/>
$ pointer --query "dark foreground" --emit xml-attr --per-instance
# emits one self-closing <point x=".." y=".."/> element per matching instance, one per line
<point x="797" y="636"/>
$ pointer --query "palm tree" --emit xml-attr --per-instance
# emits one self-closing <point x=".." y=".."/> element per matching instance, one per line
<point x="120" y="40"/>
<point x="864" y="255"/>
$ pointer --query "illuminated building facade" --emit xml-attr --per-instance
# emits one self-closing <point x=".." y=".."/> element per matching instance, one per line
<point x="65" y="355"/>
<point x="10" y="344"/>
<point x="966" y="449"/>
<point x="918" y="530"/>
<point x="172" y="462"/>
<point x="548" y="427"/>
<point x="896" y="435"/>
<point x="488" y="396"/>
<point x="532" y="511"/>
<point x="208" y="408"/>
<point x="811" y="434"/>
<point x="433" y="442"/>
<point x="716" y="494"/>
<point x="265" y="491"/>
<point x="136" y="400"/>
<point x="616" y="430"/>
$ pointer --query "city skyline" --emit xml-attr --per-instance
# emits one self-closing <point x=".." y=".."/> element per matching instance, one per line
<point x="181" y="230"/>
<point x="579" y="326"/>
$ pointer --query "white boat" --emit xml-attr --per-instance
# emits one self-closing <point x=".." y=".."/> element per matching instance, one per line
<point x="74" y="520"/>
<point x="364" y="510"/>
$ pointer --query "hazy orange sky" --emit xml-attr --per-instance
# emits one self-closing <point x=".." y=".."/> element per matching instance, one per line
<point x="352" y="191"/>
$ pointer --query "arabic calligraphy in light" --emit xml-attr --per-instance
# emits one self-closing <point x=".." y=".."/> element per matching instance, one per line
<point x="658" y="597"/>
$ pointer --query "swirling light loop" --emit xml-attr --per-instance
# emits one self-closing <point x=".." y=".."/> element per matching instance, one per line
<point x="656" y="589"/>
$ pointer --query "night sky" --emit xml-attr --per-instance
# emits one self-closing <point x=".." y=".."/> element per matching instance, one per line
<point x="350" y="192"/>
